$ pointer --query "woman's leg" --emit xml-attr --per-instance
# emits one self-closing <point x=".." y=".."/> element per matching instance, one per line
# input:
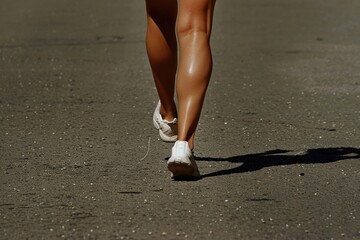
<point x="195" y="63"/>
<point x="162" y="51"/>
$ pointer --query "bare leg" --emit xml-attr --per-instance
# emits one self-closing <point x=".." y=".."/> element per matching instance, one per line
<point x="162" y="51"/>
<point x="195" y="63"/>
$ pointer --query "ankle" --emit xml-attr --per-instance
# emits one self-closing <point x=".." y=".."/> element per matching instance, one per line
<point x="168" y="115"/>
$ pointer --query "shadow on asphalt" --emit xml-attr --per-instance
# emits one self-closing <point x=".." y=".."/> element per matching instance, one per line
<point x="254" y="162"/>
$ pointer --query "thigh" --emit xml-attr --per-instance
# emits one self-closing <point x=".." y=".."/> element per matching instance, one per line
<point x="162" y="9"/>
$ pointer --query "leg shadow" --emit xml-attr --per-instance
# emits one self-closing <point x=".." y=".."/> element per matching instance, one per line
<point x="277" y="157"/>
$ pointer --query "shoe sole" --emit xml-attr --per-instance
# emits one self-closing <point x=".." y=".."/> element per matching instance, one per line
<point x="166" y="138"/>
<point x="181" y="170"/>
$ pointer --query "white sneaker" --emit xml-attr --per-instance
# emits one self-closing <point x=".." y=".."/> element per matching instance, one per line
<point x="167" y="129"/>
<point x="182" y="163"/>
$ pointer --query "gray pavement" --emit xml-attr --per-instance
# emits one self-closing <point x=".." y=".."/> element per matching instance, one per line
<point x="278" y="144"/>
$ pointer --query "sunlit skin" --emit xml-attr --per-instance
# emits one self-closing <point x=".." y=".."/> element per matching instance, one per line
<point x="187" y="24"/>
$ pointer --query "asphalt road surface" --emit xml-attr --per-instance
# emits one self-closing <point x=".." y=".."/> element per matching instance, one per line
<point x="278" y="144"/>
